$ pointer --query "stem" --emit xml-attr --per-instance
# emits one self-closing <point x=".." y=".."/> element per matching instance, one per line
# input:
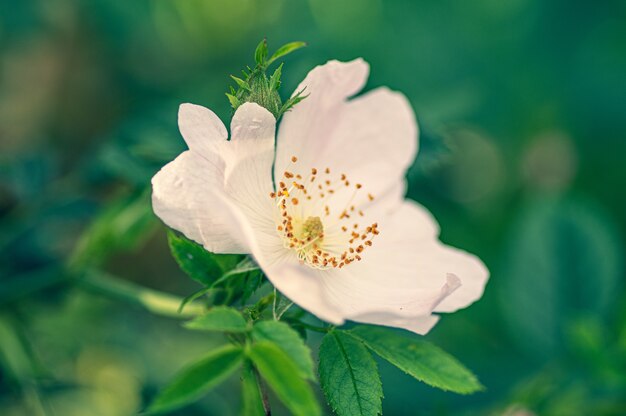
<point x="263" y="388"/>
<point x="315" y="328"/>
<point x="274" y="306"/>
<point x="152" y="300"/>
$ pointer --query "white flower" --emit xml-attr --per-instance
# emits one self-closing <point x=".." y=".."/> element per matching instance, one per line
<point x="334" y="234"/>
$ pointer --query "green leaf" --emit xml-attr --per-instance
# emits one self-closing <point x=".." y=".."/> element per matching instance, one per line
<point x="290" y="103"/>
<point x="349" y="376"/>
<point x="193" y="259"/>
<point x="289" y="341"/>
<point x="234" y="101"/>
<point x="244" y="266"/>
<point x="253" y="280"/>
<point x="197" y="379"/>
<point x="242" y="84"/>
<point x="252" y="401"/>
<point x="275" y="78"/>
<point x="286" y="49"/>
<point x="260" y="54"/>
<point x="15" y="360"/>
<point x="282" y="375"/>
<point x="563" y="260"/>
<point x="221" y="319"/>
<point x="420" y="359"/>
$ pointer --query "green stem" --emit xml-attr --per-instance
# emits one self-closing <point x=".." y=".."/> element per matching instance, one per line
<point x="315" y="328"/>
<point x="152" y="300"/>
<point x="267" y="408"/>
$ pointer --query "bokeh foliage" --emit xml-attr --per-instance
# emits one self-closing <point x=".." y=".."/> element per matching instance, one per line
<point x="521" y="106"/>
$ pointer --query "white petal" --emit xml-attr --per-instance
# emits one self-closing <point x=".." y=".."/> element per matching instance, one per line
<point x="372" y="138"/>
<point x="240" y="168"/>
<point x="420" y="324"/>
<point x="375" y="140"/>
<point x="306" y="129"/>
<point x="470" y="270"/>
<point x="200" y="128"/>
<point x="248" y="158"/>
<point x="181" y="197"/>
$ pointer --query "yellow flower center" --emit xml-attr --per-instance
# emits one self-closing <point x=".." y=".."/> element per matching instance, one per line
<point x="322" y="237"/>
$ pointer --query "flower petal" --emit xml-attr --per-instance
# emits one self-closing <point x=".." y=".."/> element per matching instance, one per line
<point x="241" y="168"/>
<point x="470" y="270"/>
<point x="408" y="262"/>
<point x="201" y="128"/>
<point x="248" y="159"/>
<point x="371" y="138"/>
<point x="181" y="198"/>
<point x="420" y="324"/>
<point x="306" y="129"/>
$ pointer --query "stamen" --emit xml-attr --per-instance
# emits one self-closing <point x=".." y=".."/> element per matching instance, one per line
<point x="304" y="232"/>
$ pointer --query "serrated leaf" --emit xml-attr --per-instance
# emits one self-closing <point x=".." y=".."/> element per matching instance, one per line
<point x="282" y="375"/>
<point x="197" y="379"/>
<point x="275" y="78"/>
<point x="221" y="319"/>
<point x="241" y="83"/>
<point x="349" y="376"/>
<point x="289" y="341"/>
<point x="252" y="401"/>
<point x="285" y="50"/>
<point x="193" y="259"/>
<point x="260" y="54"/>
<point x="420" y="359"/>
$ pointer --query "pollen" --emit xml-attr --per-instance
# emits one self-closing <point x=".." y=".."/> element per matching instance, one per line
<point x="314" y="220"/>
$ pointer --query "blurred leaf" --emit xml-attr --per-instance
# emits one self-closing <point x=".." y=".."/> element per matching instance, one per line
<point x="563" y="260"/>
<point x="289" y="341"/>
<point x="349" y="376"/>
<point x="419" y="359"/>
<point x="197" y="379"/>
<point x="198" y="263"/>
<point x="252" y="401"/>
<point x="13" y="355"/>
<point x="283" y="376"/>
<point x="25" y="284"/>
<point x="221" y="319"/>
<point x="122" y="226"/>
<point x="285" y="50"/>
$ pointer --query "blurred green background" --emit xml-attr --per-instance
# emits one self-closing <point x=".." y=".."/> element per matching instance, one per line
<point x="522" y="105"/>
